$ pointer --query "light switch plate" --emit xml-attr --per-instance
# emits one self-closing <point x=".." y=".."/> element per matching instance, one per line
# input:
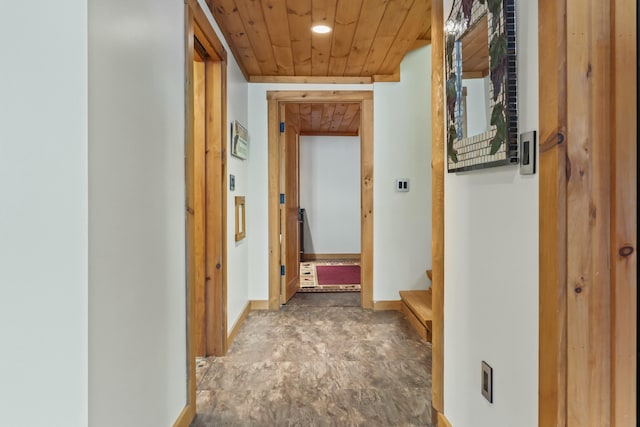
<point x="232" y="182"/>
<point x="402" y="185"/>
<point x="487" y="381"/>
<point x="527" y="153"/>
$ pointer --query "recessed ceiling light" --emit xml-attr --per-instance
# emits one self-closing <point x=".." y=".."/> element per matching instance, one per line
<point x="321" y="29"/>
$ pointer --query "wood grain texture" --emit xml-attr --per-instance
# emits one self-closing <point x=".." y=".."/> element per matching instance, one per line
<point x="552" y="363"/>
<point x="366" y="206"/>
<point x="216" y="212"/>
<point x="624" y="228"/>
<point x="189" y="411"/>
<point x="443" y="421"/>
<point x="291" y="191"/>
<point x="588" y="231"/>
<point x="273" y="204"/>
<point x="274" y="39"/>
<point x="437" y="204"/>
<point x="199" y="128"/>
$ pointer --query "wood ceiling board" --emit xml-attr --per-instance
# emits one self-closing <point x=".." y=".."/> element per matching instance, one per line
<point x="337" y="119"/>
<point x="370" y="16"/>
<point x="406" y="38"/>
<point x="347" y="14"/>
<point x="391" y="22"/>
<point x="475" y="48"/>
<point x="229" y="21"/>
<point x="349" y="122"/>
<point x="273" y="38"/>
<point x="312" y="79"/>
<point x="323" y="13"/>
<point x="299" y="12"/>
<point x="258" y="33"/>
<point x="316" y="116"/>
<point x="327" y="116"/>
<point x="276" y="11"/>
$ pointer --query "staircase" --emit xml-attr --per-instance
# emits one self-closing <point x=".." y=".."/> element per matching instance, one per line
<point x="416" y="306"/>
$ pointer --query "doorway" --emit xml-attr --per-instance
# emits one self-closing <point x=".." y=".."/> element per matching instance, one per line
<point x="206" y="197"/>
<point x="281" y="258"/>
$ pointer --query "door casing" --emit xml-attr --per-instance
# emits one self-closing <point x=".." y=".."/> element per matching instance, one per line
<point x="365" y="98"/>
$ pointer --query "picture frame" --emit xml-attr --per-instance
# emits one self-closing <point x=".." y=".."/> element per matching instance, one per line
<point x="239" y="141"/>
<point x="494" y="140"/>
<point x="241" y="230"/>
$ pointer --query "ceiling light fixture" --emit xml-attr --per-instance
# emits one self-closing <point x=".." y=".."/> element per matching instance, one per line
<point x="321" y="29"/>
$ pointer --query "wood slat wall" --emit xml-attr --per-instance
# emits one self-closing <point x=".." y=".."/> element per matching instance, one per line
<point x="588" y="176"/>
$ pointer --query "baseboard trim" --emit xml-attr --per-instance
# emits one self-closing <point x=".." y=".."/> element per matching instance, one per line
<point x="186" y="416"/>
<point x="443" y="421"/>
<point x="316" y="257"/>
<point x="394" y="305"/>
<point x="259" y="304"/>
<point x="238" y="324"/>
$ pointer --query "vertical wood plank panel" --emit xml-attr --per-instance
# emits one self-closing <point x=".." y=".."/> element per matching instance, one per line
<point x="189" y="411"/>
<point x="199" y="136"/>
<point x="437" y="205"/>
<point x="624" y="213"/>
<point x="553" y="220"/>
<point x="216" y="211"/>
<point x="588" y="186"/>
<point x="366" y="185"/>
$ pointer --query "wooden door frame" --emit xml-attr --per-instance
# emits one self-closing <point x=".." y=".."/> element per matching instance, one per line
<point x="198" y="25"/>
<point x="365" y="98"/>
<point x="599" y="320"/>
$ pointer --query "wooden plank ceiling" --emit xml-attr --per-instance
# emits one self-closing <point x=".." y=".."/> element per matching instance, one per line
<point x="272" y="40"/>
<point x="329" y="119"/>
<point x="475" y="51"/>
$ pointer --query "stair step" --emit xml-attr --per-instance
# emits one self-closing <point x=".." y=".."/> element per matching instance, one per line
<point x="416" y="305"/>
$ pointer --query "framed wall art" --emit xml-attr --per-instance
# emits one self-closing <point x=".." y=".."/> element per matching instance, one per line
<point x="239" y="141"/>
<point x="481" y="85"/>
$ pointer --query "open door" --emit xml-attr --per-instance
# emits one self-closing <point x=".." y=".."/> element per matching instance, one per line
<point x="289" y="200"/>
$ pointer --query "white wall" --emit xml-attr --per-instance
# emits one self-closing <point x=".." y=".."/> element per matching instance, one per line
<point x="402" y="147"/>
<point x="43" y="213"/>
<point x="491" y="273"/>
<point x="137" y="329"/>
<point x="402" y="221"/>
<point x="330" y="194"/>
<point x="237" y="252"/>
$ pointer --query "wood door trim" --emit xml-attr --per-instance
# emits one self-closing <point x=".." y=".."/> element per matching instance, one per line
<point x="274" y="99"/>
<point x="437" y="205"/>
<point x="196" y="23"/>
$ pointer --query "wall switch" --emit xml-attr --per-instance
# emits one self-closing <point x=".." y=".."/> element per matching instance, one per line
<point x="528" y="153"/>
<point x="487" y="381"/>
<point x="232" y="182"/>
<point x="402" y="185"/>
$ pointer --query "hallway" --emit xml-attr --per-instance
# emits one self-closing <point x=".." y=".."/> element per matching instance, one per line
<point x="319" y="361"/>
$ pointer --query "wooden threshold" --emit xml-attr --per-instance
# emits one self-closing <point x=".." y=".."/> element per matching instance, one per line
<point x="320" y="257"/>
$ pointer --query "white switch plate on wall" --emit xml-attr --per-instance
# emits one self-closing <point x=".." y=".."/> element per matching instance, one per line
<point x="402" y="185"/>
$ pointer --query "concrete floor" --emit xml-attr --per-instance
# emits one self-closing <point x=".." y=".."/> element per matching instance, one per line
<point x="319" y="361"/>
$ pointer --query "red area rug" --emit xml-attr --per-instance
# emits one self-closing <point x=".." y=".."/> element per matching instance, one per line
<point x="338" y="274"/>
<point x="329" y="276"/>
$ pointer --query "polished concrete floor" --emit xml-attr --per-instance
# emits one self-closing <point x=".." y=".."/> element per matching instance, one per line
<point x="319" y="361"/>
